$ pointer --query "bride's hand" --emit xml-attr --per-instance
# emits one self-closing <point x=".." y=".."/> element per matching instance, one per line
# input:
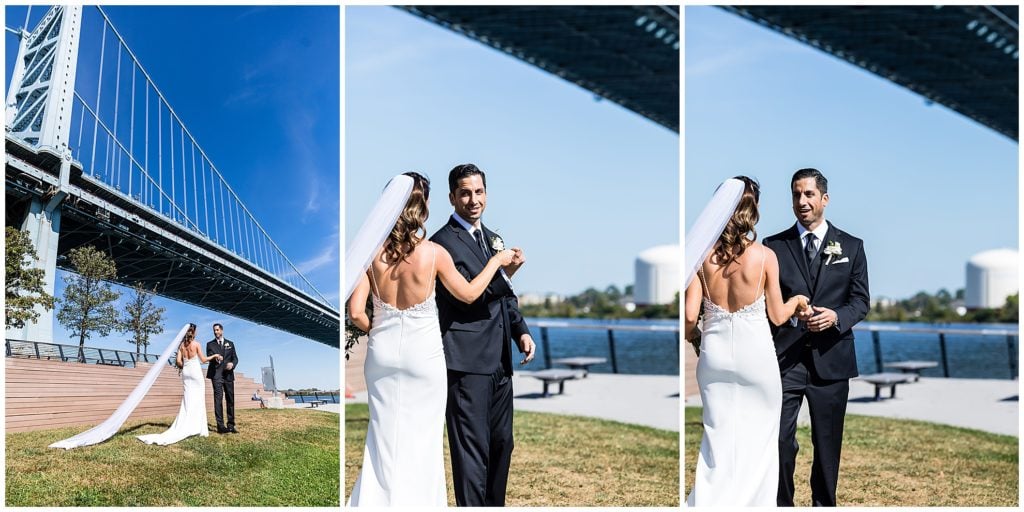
<point x="803" y="307"/>
<point x="505" y="257"/>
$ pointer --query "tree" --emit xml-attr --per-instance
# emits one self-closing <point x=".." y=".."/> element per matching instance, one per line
<point x="141" y="318"/>
<point x="88" y="302"/>
<point x="23" y="285"/>
<point x="1010" y="311"/>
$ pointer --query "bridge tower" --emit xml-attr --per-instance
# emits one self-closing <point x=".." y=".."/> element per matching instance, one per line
<point x="38" y="112"/>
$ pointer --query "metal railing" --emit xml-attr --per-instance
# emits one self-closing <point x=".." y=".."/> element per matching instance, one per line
<point x="643" y="357"/>
<point x="73" y="354"/>
<point x="326" y="396"/>
<point x="941" y="343"/>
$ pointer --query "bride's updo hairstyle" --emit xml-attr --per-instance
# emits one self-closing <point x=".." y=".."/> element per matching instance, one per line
<point x="739" y="232"/>
<point x="405" y="236"/>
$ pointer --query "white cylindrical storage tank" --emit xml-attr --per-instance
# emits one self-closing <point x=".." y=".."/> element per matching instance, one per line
<point x="991" y="277"/>
<point x="657" y="275"/>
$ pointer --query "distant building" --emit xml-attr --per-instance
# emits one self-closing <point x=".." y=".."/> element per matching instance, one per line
<point x="531" y="298"/>
<point x="657" y="275"/>
<point x="991" y="277"/>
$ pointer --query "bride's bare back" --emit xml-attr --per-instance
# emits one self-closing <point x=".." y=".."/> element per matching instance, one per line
<point x="406" y="283"/>
<point x="739" y="283"/>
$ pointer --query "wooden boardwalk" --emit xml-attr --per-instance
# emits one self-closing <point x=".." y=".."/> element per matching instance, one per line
<point x="43" y="394"/>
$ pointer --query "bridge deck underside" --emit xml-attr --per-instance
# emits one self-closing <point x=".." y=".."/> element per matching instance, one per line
<point x="959" y="56"/>
<point x="181" y="267"/>
<point x="600" y="48"/>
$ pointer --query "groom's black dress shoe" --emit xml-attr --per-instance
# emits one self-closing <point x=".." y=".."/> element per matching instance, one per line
<point x="222" y="430"/>
<point x="232" y="430"/>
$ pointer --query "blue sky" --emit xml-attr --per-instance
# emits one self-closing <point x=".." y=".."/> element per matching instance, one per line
<point x="258" y="88"/>
<point x="581" y="185"/>
<point x="925" y="187"/>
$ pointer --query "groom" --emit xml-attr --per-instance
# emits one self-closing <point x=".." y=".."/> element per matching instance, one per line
<point x="477" y="348"/>
<point x="816" y="354"/>
<point x="222" y="375"/>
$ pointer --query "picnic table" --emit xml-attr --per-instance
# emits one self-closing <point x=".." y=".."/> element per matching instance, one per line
<point x="580" y="363"/>
<point x="913" y="367"/>
<point x="889" y="380"/>
<point x="554" y="376"/>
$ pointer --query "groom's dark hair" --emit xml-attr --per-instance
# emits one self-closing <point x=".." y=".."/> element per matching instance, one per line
<point x="810" y="172"/>
<point x="464" y="171"/>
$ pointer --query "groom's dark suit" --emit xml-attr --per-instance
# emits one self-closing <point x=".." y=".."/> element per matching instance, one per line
<point x="477" y="348"/>
<point x="223" y="380"/>
<point x="818" y="365"/>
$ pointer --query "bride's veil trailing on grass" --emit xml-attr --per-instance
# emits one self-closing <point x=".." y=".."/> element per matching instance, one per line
<point x="110" y="426"/>
<point x="701" y="237"/>
<point x="375" y="229"/>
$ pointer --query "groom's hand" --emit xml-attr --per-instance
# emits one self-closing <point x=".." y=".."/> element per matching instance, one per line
<point x="230" y="366"/>
<point x="823" y="319"/>
<point x="527" y="347"/>
<point x="518" y="258"/>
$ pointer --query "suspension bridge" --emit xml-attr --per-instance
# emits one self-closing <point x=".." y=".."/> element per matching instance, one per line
<point x="96" y="155"/>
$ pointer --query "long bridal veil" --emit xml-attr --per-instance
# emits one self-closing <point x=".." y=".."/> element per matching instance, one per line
<point x="110" y="426"/>
<point x="375" y="229"/>
<point x="701" y="237"/>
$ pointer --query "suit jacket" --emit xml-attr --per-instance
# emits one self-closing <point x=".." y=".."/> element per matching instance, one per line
<point x="841" y="286"/>
<point x="476" y="336"/>
<point x="218" y="370"/>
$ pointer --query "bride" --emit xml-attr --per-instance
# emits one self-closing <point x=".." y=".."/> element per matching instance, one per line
<point x="191" y="418"/>
<point x="738" y="372"/>
<point x="406" y="375"/>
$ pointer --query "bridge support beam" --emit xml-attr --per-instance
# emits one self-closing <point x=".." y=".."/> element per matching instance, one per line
<point x="42" y="224"/>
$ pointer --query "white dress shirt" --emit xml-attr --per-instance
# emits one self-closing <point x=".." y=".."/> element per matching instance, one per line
<point x="819" y="232"/>
<point x="465" y="224"/>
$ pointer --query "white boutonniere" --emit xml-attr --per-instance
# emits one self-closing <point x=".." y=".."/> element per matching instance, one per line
<point x="497" y="243"/>
<point x="227" y="345"/>
<point x="834" y="250"/>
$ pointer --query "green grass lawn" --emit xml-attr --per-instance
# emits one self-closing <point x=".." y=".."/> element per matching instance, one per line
<point x="566" y="461"/>
<point x="282" y="457"/>
<point x="888" y="462"/>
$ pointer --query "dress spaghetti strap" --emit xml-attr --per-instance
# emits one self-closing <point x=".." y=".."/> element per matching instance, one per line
<point x="761" y="277"/>
<point x="705" y="290"/>
<point x="433" y="269"/>
<point x="373" y="280"/>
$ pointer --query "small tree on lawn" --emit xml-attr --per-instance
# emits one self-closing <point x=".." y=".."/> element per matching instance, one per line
<point x="23" y="285"/>
<point x="88" y="302"/>
<point x="141" y="318"/>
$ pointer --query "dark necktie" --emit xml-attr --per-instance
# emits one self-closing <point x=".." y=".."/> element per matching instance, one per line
<point x="813" y="262"/>
<point x="479" y="235"/>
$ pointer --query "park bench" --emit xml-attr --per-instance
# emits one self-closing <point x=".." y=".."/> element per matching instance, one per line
<point x="316" y="403"/>
<point x="912" y="367"/>
<point x="889" y="380"/>
<point x="580" y="363"/>
<point x="554" y="376"/>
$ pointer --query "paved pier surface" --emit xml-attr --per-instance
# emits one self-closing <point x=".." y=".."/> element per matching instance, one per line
<point x="649" y="400"/>
<point x="982" y="404"/>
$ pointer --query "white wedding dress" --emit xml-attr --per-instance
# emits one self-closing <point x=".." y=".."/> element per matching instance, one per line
<point x="406" y="380"/>
<point x="191" y="420"/>
<point x="741" y="391"/>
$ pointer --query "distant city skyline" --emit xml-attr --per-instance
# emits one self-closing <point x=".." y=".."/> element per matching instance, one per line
<point x="925" y="187"/>
<point x="240" y="80"/>
<point x="582" y="185"/>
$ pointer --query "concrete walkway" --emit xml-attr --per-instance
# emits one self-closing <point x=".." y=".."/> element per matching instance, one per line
<point x="335" y="408"/>
<point x="649" y="400"/>
<point x="989" y="405"/>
